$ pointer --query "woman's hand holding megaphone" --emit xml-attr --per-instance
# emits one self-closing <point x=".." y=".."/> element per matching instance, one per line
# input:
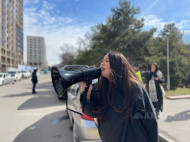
<point x="82" y="88"/>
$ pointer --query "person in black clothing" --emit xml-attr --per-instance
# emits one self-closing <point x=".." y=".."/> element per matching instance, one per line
<point x="120" y="103"/>
<point x="34" y="81"/>
<point x="154" y="79"/>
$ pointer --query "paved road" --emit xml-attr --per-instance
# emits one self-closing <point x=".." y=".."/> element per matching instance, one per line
<point x="42" y="117"/>
<point x="33" y="118"/>
<point x="174" y="122"/>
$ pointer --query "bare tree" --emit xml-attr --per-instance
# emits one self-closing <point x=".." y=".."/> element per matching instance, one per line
<point x="84" y="43"/>
<point x="67" y="55"/>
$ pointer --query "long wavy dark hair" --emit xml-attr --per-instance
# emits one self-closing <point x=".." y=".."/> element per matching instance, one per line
<point x="156" y="65"/>
<point x="122" y="80"/>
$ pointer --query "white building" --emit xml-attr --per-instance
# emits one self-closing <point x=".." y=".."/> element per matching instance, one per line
<point x="36" y="52"/>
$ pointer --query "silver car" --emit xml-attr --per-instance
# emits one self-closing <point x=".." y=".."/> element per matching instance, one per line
<point x="6" y="79"/>
<point x="84" y="127"/>
<point x="16" y="74"/>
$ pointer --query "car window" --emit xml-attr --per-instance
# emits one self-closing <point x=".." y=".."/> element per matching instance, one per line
<point x="11" y="72"/>
<point x="72" y="68"/>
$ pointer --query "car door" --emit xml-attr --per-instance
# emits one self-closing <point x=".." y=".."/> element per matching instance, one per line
<point x="72" y="96"/>
<point x="7" y="79"/>
<point x="72" y="101"/>
<point x="3" y="78"/>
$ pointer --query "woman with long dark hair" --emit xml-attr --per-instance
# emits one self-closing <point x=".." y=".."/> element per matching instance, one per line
<point x="120" y="103"/>
<point x="154" y="80"/>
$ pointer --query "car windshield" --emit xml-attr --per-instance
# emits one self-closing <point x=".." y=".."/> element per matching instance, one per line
<point x="72" y="68"/>
<point x="11" y="72"/>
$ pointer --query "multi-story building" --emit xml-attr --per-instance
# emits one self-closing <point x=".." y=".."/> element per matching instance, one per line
<point x="11" y="34"/>
<point x="36" y="52"/>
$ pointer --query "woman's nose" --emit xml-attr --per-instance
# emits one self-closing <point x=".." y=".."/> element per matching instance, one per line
<point x="102" y="63"/>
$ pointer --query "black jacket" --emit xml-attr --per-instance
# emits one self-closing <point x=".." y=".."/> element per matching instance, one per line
<point x="143" y="127"/>
<point x="34" y="77"/>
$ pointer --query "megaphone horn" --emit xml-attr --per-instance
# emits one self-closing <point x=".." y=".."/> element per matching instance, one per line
<point x="63" y="79"/>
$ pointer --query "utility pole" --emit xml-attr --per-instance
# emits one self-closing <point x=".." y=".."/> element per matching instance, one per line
<point x="168" y="62"/>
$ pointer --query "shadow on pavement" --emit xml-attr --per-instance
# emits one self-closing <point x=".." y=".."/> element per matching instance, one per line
<point x="18" y="95"/>
<point x="45" y="97"/>
<point x="54" y="127"/>
<point x="47" y="92"/>
<point x="47" y="85"/>
<point x="185" y="115"/>
<point x="41" y="102"/>
<point x="43" y="86"/>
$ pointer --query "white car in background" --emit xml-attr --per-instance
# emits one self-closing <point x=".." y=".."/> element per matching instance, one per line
<point x="25" y="74"/>
<point x="16" y="74"/>
<point x="28" y="74"/>
<point x="6" y="79"/>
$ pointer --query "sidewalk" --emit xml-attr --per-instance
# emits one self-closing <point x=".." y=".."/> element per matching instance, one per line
<point x="174" y="121"/>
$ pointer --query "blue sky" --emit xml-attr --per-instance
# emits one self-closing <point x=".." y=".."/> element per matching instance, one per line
<point x="65" y="21"/>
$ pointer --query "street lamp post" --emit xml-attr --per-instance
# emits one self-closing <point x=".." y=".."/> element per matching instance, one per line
<point x="168" y="62"/>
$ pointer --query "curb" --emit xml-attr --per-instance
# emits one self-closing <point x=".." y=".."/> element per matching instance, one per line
<point x="177" y="97"/>
<point x="162" y="138"/>
<point x="165" y="137"/>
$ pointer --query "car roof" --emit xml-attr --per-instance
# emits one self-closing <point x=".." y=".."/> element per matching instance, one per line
<point x="74" y="67"/>
<point x="14" y="71"/>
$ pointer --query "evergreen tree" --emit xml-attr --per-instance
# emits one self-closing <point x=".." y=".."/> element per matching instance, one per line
<point x="178" y="54"/>
<point x="122" y="32"/>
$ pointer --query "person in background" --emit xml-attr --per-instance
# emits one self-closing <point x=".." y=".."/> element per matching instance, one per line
<point x="138" y="73"/>
<point x="34" y="81"/>
<point x="154" y="79"/>
<point x="120" y="103"/>
<point x="186" y="82"/>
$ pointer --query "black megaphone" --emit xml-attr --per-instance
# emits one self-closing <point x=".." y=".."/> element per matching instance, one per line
<point x="63" y="79"/>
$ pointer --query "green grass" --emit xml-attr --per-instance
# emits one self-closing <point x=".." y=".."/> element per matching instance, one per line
<point x="178" y="91"/>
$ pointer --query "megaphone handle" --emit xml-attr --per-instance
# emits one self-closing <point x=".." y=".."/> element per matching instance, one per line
<point x="84" y="94"/>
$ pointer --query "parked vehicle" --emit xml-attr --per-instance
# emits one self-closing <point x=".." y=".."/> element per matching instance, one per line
<point x="19" y="75"/>
<point x="45" y="71"/>
<point x="25" y="74"/>
<point x="30" y="73"/>
<point x="6" y="79"/>
<point x="16" y="74"/>
<point x="74" y="67"/>
<point x="38" y="72"/>
<point x="84" y="127"/>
